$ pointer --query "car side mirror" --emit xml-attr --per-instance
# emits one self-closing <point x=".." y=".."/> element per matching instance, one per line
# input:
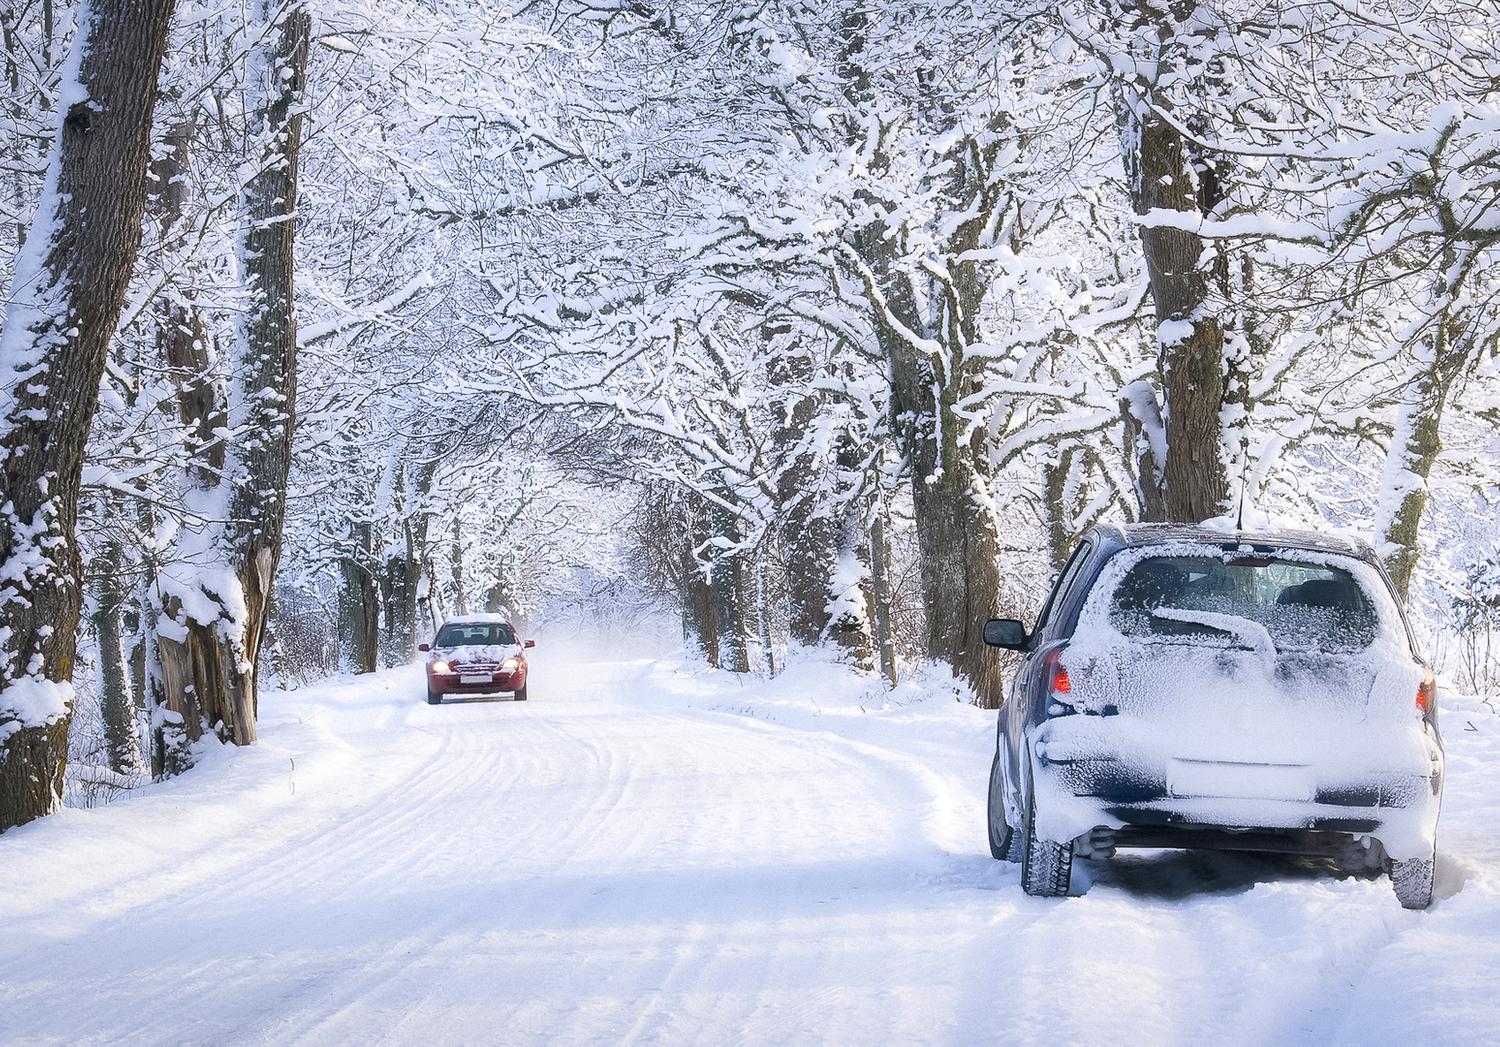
<point x="529" y="644"/>
<point x="1007" y="633"/>
<point x="424" y="646"/>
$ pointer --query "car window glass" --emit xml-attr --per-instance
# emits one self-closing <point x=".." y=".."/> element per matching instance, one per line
<point x="475" y="634"/>
<point x="1064" y="583"/>
<point x="1299" y="605"/>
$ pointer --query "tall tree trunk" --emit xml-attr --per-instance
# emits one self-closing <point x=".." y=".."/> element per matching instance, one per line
<point x="456" y="567"/>
<point x="359" y="606"/>
<point x="771" y="603"/>
<point x="404" y="585"/>
<point x="1414" y="450"/>
<point x="700" y="630"/>
<point x="880" y="593"/>
<point x="266" y="372"/>
<point x="957" y="533"/>
<point x="810" y="549"/>
<point x="116" y="696"/>
<point x="808" y="537"/>
<point x="179" y="703"/>
<point x="733" y="602"/>
<point x="209" y="667"/>
<point x="1164" y="175"/>
<point x="65" y="299"/>
<point x="1145" y="448"/>
<point x="848" y="604"/>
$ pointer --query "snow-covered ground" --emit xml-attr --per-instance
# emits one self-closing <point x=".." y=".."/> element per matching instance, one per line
<point x="646" y="853"/>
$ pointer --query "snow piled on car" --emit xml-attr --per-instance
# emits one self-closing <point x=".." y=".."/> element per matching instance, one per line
<point x="1226" y="689"/>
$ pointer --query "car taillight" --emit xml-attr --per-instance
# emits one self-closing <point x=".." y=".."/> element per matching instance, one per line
<point x="1058" y="684"/>
<point x="1426" y="692"/>
<point x="1059" y="688"/>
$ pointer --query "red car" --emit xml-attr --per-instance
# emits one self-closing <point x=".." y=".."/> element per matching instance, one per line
<point x="476" y="654"/>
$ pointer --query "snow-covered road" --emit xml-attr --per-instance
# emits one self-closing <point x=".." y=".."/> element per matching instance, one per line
<point x="641" y="854"/>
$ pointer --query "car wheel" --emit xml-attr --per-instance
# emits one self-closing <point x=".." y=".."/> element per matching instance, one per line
<point x="1046" y="867"/>
<point x="521" y="695"/>
<point x="1003" y="839"/>
<point x="433" y="699"/>
<point x="1412" y="880"/>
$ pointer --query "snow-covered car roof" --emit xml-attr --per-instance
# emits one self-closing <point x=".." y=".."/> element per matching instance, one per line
<point x="478" y="619"/>
<point x="1287" y="538"/>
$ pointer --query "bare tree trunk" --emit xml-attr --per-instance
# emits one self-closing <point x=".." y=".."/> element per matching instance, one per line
<point x="404" y="600"/>
<point x="359" y="606"/>
<point x="1054" y="484"/>
<point x="179" y="704"/>
<point x="116" y="697"/>
<point x="65" y="301"/>
<point x="810" y="551"/>
<point x="848" y="602"/>
<point x="808" y="537"/>
<point x="957" y="534"/>
<point x="266" y="373"/>
<point x="1145" y="447"/>
<point x="1415" y="447"/>
<point x="456" y="566"/>
<point x="880" y="594"/>
<point x="733" y="604"/>
<point x="771" y="604"/>
<point x="700" y="630"/>
<point x="208" y="671"/>
<point x="1164" y="175"/>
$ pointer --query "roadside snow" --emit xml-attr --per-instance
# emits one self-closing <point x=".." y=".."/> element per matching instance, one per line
<point x="648" y="851"/>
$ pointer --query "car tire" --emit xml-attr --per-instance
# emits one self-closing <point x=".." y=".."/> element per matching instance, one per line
<point x="521" y="695"/>
<point x="433" y="699"/>
<point x="1412" y="880"/>
<point x="1003" y="838"/>
<point x="1046" y="867"/>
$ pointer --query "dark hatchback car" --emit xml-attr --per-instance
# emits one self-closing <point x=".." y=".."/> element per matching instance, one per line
<point x="1186" y="687"/>
<point x="476" y="655"/>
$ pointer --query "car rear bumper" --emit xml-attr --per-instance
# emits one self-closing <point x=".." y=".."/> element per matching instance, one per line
<point x="451" y="683"/>
<point x="1087" y="786"/>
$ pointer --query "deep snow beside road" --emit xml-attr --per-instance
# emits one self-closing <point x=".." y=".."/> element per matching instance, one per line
<point x="647" y="853"/>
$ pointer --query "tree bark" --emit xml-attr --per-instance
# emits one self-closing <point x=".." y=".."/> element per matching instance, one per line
<point x="65" y="300"/>
<point x="1164" y="175"/>
<point x="209" y="667"/>
<point x="700" y="630"/>
<point x="359" y="606"/>
<point x="733" y="603"/>
<point x="116" y="698"/>
<point x="808" y="537"/>
<point x="1054" y="486"/>
<point x="848" y="612"/>
<point x="456" y="568"/>
<point x="403" y="588"/>
<point x="1414" y="450"/>
<point x="880" y="594"/>
<point x="957" y="533"/>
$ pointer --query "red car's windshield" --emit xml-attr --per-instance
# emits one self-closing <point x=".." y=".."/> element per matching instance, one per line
<point x="475" y="634"/>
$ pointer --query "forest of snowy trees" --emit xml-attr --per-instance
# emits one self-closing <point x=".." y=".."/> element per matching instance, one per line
<point x="823" y="323"/>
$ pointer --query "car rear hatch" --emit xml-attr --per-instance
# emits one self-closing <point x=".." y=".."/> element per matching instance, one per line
<point x="1232" y="674"/>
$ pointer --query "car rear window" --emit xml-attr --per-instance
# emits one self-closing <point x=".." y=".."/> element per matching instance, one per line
<point x="1303" y="606"/>
<point x="475" y="634"/>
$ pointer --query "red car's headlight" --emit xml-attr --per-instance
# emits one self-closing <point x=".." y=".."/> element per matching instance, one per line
<point x="440" y="667"/>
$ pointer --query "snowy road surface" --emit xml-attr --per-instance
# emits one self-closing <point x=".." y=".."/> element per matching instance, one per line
<point x="641" y="854"/>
